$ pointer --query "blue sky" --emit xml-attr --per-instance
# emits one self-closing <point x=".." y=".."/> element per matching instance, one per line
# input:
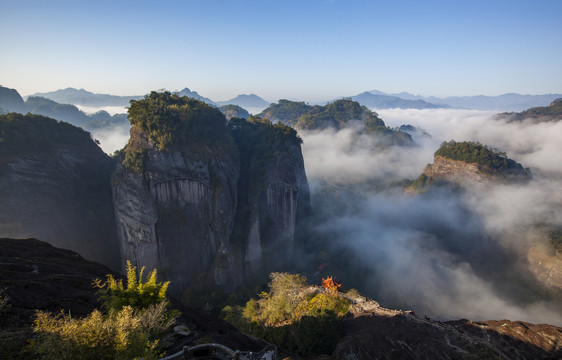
<point x="308" y="49"/>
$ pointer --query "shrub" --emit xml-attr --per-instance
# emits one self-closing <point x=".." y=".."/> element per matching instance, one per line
<point x="280" y="304"/>
<point x="136" y="294"/>
<point x="122" y="334"/>
<point x="137" y="316"/>
<point x="322" y="304"/>
<point x="292" y="316"/>
<point x="134" y="160"/>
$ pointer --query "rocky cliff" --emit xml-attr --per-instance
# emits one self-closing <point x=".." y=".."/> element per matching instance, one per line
<point x="274" y="193"/>
<point x="177" y="215"/>
<point x="197" y="200"/>
<point x="374" y="332"/>
<point x="55" y="185"/>
<point x="470" y="162"/>
<point x="455" y="170"/>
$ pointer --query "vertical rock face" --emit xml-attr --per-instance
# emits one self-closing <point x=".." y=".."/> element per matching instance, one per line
<point x="55" y="185"/>
<point x="178" y="217"/>
<point x="277" y="207"/>
<point x="136" y="216"/>
<point x="204" y="202"/>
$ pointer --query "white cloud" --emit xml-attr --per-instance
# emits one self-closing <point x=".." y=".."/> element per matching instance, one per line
<point x="113" y="138"/>
<point x="112" y="110"/>
<point x="451" y="254"/>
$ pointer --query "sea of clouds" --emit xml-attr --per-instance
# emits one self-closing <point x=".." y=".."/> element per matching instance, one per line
<point x="447" y="253"/>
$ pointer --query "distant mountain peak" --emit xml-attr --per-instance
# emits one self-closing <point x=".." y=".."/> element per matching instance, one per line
<point x="194" y="94"/>
<point x="247" y="101"/>
<point x="375" y="92"/>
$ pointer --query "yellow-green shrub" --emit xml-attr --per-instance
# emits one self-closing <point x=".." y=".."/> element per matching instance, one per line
<point x="136" y="294"/>
<point x="322" y="304"/>
<point x="292" y="316"/>
<point x="121" y="335"/>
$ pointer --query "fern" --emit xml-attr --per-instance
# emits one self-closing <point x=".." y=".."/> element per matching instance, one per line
<point x="136" y="294"/>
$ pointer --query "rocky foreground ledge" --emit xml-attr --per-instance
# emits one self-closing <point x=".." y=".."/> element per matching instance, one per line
<point x="36" y="275"/>
<point x="380" y="333"/>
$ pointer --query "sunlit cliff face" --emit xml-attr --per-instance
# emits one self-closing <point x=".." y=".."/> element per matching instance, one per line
<point x="447" y="252"/>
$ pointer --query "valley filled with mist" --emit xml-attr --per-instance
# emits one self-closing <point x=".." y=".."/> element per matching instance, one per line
<point x="449" y="252"/>
<point x="264" y="180"/>
<point x="450" y="213"/>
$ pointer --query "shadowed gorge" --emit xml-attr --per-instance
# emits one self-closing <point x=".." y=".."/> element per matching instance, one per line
<point x="55" y="185"/>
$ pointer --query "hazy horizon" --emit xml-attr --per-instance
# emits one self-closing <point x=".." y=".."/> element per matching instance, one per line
<point x="312" y="51"/>
<point x="113" y="109"/>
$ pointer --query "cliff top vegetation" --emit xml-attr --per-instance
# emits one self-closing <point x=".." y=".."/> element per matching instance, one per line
<point x="286" y="111"/>
<point x="181" y="123"/>
<point x="474" y="152"/>
<point x="338" y="115"/>
<point x="335" y="114"/>
<point x="24" y="134"/>
<point x="172" y="121"/>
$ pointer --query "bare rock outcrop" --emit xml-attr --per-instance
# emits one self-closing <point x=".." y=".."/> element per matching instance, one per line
<point x="546" y="267"/>
<point x="470" y="162"/>
<point x="454" y="170"/>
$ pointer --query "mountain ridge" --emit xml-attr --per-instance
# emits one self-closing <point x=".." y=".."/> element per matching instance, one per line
<point x="383" y="101"/>
<point x="502" y="102"/>
<point x="550" y="113"/>
<point x="11" y="101"/>
<point x="84" y="97"/>
<point x="379" y="99"/>
<point x="246" y="101"/>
